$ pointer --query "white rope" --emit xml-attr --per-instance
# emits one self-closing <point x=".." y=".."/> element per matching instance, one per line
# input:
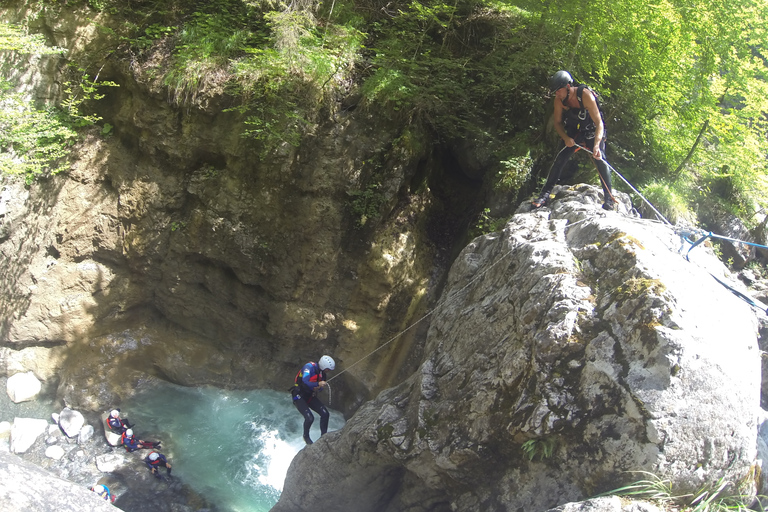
<point x="428" y="313"/>
<point x="630" y="186"/>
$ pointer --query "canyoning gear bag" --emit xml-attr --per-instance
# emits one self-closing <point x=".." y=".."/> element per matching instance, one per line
<point x="579" y="121"/>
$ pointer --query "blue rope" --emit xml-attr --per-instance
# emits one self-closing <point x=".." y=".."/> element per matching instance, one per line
<point x="685" y="234"/>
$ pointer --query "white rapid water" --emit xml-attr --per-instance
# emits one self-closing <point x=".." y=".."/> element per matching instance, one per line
<point x="234" y="447"/>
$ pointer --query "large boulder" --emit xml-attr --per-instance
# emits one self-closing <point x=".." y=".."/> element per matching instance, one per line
<point x="22" y="387"/>
<point x="24" y="433"/>
<point x="25" y="487"/>
<point x="71" y="421"/>
<point x="570" y="349"/>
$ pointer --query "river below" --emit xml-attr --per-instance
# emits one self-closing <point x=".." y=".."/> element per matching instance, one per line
<point x="233" y="447"/>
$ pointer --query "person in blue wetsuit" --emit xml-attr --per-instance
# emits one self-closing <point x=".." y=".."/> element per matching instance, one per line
<point x="103" y="491"/>
<point x="310" y="380"/>
<point x="116" y="423"/>
<point x="133" y="443"/>
<point x="579" y="122"/>
<point x="155" y="461"/>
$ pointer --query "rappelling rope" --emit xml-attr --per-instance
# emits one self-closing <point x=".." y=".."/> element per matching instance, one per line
<point x="686" y="233"/>
<point x="630" y="186"/>
<point x="428" y="313"/>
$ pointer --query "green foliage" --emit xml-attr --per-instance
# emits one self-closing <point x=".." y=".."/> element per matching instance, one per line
<point x="514" y="174"/>
<point x="177" y="225"/>
<point x="543" y="448"/>
<point x="671" y="202"/>
<point x="487" y="224"/>
<point x="722" y="496"/>
<point x="365" y="204"/>
<point x="16" y="38"/>
<point x="33" y="141"/>
<point x="80" y="90"/>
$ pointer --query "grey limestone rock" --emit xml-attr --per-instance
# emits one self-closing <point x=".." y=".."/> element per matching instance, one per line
<point x="25" y="487"/>
<point x="24" y="433"/>
<point x="572" y="348"/>
<point x="71" y="421"/>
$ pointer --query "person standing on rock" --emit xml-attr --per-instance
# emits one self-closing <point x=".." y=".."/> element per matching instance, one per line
<point x="155" y="461"/>
<point x="310" y="380"/>
<point x="116" y="423"/>
<point x="579" y="122"/>
<point x="133" y="443"/>
<point x="103" y="491"/>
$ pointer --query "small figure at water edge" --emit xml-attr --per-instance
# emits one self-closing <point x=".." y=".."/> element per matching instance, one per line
<point x="155" y="461"/>
<point x="311" y="380"/>
<point x="116" y="423"/>
<point x="133" y="443"/>
<point x="103" y="491"/>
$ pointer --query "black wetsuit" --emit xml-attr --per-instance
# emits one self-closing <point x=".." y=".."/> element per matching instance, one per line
<point x="155" y="465"/>
<point x="303" y="392"/>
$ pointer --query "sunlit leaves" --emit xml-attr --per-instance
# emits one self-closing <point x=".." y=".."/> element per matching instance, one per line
<point x="15" y="38"/>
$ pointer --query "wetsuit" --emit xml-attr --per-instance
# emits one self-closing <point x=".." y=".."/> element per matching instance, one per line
<point x="303" y="392"/>
<point x="106" y="495"/>
<point x="155" y="465"/>
<point x="581" y="128"/>
<point x="131" y="443"/>
<point x="118" y="425"/>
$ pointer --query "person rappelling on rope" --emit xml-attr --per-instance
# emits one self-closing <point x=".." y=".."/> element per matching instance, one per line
<point x="310" y="380"/>
<point x="579" y="122"/>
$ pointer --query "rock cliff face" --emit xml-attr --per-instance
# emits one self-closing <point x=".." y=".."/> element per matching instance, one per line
<point x="178" y="248"/>
<point x="25" y="487"/>
<point x="572" y="347"/>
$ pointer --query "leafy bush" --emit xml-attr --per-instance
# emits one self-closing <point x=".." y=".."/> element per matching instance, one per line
<point x="32" y="141"/>
<point x="669" y="201"/>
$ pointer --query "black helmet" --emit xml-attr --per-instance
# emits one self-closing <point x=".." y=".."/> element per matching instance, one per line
<point x="558" y="80"/>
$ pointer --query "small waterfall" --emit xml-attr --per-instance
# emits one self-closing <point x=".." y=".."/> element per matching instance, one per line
<point x="234" y="447"/>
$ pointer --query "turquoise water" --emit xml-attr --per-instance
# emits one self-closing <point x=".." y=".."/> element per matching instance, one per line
<point x="234" y="447"/>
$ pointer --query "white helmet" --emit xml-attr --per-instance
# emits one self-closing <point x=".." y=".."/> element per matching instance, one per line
<point x="153" y="456"/>
<point x="129" y="432"/>
<point x="115" y="413"/>
<point x="98" y="488"/>
<point x="327" y="363"/>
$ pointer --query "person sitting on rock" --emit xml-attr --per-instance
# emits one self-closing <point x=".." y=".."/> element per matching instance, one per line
<point x="116" y="423"/>
<point x="309" y="381"/>
<point x="133" y="443"/>
<point x="103" y="491"/>
<point x="155" y="461"/>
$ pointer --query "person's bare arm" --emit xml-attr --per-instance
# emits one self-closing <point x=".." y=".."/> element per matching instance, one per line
<point x="594" y="112"/>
